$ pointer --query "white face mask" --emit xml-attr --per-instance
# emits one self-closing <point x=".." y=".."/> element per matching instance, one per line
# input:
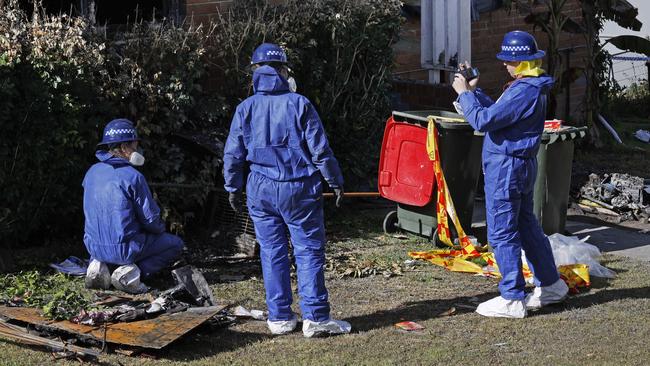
<point x="136" y="159"/>
<point x="292" y="84"/>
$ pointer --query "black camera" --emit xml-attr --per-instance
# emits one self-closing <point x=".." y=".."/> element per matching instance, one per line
<point x="469" y="73"/>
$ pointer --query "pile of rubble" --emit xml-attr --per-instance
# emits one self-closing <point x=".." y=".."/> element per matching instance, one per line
<point x="126" y="324"/>
<point x="616" y="194"/>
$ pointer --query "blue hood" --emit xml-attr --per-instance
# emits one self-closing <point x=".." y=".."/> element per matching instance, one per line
<point x="266" y="80"/>
<point x="544" y="82"/>
<point x="110" y="159"/>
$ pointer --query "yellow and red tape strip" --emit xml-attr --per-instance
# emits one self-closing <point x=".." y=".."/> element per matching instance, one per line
<point x="468" y="258"/>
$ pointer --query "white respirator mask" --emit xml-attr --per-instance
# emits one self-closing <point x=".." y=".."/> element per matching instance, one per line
<point x="292" y="84"/>
<point x="136" y="159"/>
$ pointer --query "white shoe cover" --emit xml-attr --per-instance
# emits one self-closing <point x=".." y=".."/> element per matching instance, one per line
<point x="282" y="326"/>
<point x="127" y="278"/>
<point x="546" y="295"/>
<point x="98" y="276"/>
<point x="502" y="308"/>
<point x="312" y="329"/>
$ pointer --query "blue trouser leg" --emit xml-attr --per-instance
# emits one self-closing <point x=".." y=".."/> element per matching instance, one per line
<point x="271" y="233"/>
<point x="504" y="182"/>
<point x="158" y="252"/>
<point x="505" y="239"/>
<point x="302" y="208"/>
<point x="512" y="225"/>
<point x="536" y="245"/>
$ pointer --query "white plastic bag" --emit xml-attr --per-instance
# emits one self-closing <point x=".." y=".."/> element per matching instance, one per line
<point x="642" y="135"/>
<point x="127" y="278"/>
<point x="571" y="250"/>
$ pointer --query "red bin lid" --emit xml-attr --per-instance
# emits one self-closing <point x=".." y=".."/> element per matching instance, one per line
<point x="405" y="171"/>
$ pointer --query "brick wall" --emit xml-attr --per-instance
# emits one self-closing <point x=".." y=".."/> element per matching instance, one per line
<point x="420" y="95"/>
<point x="487" y="34"/>
<point x="202" y="11"/>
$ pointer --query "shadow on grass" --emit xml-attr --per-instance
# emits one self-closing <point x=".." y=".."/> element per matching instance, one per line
<point x="414" y="311"/>
<point x="429" y="309"/>
<point x="207" y="344"/>
<point x="598" y="298"/>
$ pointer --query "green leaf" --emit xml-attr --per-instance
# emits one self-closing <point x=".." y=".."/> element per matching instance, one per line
<point x="631" y="43"/>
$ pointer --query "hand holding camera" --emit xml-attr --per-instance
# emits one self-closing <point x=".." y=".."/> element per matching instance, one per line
<point x="466" y="78"/>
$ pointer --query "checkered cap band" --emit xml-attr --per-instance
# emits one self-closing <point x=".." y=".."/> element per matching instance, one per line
<point x="120" y="131"/>
<point x="515" y="48"/>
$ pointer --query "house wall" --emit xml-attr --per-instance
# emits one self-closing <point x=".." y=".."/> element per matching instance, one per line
<point x="202" y="11"/>
<point x="487" y="34"/>
<point x="411" y="89"/>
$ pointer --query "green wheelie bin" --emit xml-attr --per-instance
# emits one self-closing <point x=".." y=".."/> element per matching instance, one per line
<point x="406" y="173"/>
<point x="553" y="182"/>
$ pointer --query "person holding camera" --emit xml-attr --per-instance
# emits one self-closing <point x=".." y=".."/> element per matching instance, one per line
<point x="513" y="126"/>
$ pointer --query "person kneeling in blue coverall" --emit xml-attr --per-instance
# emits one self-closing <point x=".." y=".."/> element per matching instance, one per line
<point x="123" y="226"/>
<point x="278" y="135"/>
<point x="513" y="126"/>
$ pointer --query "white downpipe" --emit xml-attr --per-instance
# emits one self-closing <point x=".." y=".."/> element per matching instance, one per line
<point x="426" y="30"/>
<point x="445" y="32"/>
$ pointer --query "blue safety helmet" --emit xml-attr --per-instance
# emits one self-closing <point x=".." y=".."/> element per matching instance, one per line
<point x="519" y="46"/>
<point x="268" y="52"/>
<point x="119" y="130"/>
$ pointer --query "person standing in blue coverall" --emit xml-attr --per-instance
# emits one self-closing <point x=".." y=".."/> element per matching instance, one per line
<point x="123" y="226"/>
<point x="278" y="135"/>
<point x="513" y="126"/>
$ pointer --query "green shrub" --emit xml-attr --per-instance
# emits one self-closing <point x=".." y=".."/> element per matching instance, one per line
<point x="633" y="100"/>
<point x="341" y="55"/>
<point x="58" y="295"/>
<point x="61" y="81"/>
<point x="48" y="128"/>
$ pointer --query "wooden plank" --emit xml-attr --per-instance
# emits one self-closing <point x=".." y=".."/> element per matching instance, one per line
<point x="153" y="333"/>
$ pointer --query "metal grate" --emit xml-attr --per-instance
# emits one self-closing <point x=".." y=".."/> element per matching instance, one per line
<point x="237" y="228"/>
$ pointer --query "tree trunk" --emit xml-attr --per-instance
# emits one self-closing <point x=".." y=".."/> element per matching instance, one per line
<point x="592" y="105"/>
<point x="553" y="32"/>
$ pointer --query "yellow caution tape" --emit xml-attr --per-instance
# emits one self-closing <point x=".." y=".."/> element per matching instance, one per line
<point x="445" y="205"/>
<point x="575" y="275"/>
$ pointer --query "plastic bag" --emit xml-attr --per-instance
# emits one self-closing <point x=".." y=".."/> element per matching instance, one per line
<point x="571" y="250"/>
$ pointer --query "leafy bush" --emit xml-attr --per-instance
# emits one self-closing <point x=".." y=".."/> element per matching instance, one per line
<point x="340" y="52"/>
<point x="62" y="80"/>
<point x="633" y="100"/>
<point x="47" y="97"/>
<point x="57" y="295"/>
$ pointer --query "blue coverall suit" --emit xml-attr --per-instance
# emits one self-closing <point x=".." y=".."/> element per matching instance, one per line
<point x="513" y="127"/>
<point x="280" y="136"/>
<point x="122" y="220"/>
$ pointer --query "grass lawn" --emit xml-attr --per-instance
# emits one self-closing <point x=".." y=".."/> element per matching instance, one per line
<point x="610" y="324"/>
